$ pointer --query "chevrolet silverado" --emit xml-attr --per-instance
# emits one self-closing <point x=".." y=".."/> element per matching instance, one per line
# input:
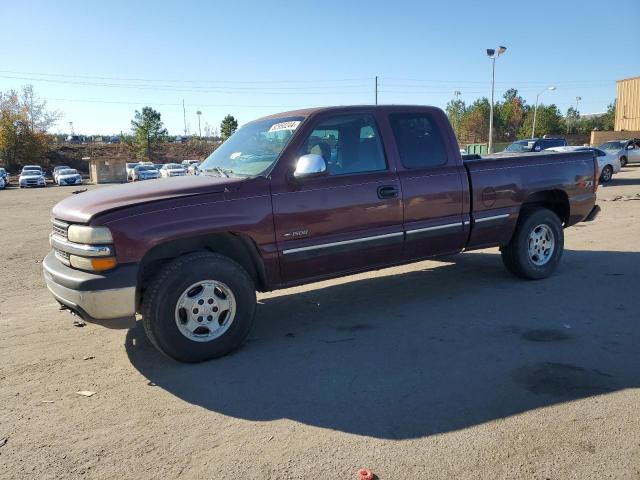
<point x="298" y="197"/>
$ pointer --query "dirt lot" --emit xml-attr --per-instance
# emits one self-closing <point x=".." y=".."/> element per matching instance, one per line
<point x="442" y="369"/>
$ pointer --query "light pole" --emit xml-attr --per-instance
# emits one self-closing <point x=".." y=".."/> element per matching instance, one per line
<point x="199" y="130"/>
<point x="535" y="110"/>
<point x="492" y="54"/>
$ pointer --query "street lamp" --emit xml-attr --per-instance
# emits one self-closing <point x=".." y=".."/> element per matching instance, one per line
<point x="199" y="130"/>
<point x="535" y="111"/>
<point x="492" y="54"/>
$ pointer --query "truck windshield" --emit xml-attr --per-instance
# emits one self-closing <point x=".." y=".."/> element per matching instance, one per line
<point x="519" y="147"/>
<point x="253" y="149"/>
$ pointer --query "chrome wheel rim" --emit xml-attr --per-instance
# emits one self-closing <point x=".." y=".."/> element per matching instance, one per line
<point x="541" y="245"/>
<point x="606" y="174"/>
<point x="205" y="310"/>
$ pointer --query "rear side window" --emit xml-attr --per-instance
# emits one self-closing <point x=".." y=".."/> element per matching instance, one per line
<point x="553" y="143"/>
<point x="418" y="139"/>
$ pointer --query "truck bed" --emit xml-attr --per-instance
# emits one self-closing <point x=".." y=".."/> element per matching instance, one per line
<point x="500" y="184"/>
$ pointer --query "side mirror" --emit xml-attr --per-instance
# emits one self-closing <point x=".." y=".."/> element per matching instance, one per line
<point x="630" y="147"/>
<point x="309" y="166"/>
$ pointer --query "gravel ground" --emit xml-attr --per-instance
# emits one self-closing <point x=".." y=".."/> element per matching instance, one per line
<point x="440" y="369"/>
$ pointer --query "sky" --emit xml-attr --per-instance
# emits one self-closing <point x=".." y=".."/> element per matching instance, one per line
<point x="99" y="62"/>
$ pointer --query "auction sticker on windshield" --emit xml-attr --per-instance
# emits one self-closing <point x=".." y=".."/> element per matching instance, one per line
<point x="276" y="127"/>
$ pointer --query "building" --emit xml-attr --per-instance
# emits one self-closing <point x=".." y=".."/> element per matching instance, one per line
<point x="627" y="121"/>
<point x="628" y="105"/>
<point x="107" y="170"/>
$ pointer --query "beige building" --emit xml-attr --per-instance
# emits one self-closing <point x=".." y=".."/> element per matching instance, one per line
<point x="627" y="121"/>
<point x="107" y="170"/>
<point x="628" y="105"/>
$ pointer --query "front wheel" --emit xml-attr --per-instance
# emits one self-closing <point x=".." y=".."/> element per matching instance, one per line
<point x="198" y="307"/>
<point x="537" y="244"/>
<point x="607" y="174"/>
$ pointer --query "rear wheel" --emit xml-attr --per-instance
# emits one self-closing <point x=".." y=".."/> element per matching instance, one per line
<point x="607" y="174"/>
<point x="198" y="307"/>
<point x="537" y="244"/>
<point x="623" y="161"/>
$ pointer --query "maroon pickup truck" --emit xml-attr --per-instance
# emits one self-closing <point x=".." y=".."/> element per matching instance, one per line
<point x="298" y="197"/>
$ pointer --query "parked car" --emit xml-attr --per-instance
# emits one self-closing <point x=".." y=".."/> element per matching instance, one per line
<point x="129" y="166"/>
<point x="628" y="151"/>
<point x="5" y="175"/>
<point x="114" y="139"/>
<point x="31" y="178"/>
<point x="57" y="169"/>
<point x="191" y="166"/>
<point x="144" y="172"/>
<point x="534" y="145"/>
<point x="32" y="167"/>
<point x="74" y="139"/>
<point x="607" y="164"/>
<point x="316" y="198"/>
<point x="172" y="170"/>
<point x="68" y="176"/>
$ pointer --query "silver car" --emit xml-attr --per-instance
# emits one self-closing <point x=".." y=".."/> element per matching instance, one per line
<point x="628" y="151"/>
<point x="607" y="164"/>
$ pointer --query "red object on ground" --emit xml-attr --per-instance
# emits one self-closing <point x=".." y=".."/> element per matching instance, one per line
<point x="365" y="474"/>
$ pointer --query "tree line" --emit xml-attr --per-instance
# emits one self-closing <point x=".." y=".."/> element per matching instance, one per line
<point x="513" y="119"/>
<point x="25" y="121"/>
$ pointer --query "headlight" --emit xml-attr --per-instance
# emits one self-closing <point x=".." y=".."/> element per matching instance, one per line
<point x="94" y="264"/>
<point x="90" y="235"/>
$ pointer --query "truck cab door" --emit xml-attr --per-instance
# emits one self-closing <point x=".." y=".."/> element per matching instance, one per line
<point x="434" y="184"/>
<point x="347" y="219"/>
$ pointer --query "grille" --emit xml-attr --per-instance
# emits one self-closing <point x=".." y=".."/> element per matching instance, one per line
<point x="62" y="256"/>
<point x="60" y="228"/>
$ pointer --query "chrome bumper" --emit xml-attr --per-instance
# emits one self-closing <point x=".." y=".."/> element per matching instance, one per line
<point x="101" y="304"/>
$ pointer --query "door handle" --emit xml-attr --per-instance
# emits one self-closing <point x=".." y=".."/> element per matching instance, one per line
<point x="388" y="191"/>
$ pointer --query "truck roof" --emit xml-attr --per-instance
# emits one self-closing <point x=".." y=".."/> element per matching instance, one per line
<point x="306" y="112"/>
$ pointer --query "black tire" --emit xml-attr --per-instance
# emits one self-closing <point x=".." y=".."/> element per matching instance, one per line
<point x="515" y="255"/>
<point x="607" y="174"/>
<point x="623" y="161"/>
<point x="162" y="295"/>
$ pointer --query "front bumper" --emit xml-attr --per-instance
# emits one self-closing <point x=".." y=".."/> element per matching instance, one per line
<point x="91" y="296"/>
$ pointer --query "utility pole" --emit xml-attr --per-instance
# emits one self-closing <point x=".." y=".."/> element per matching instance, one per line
<point x="492" y="54"/>
<point x="199" y="130"/>
<point x="456" y="95"/>
<point x="184" y="116"/>
<point x="71" y="127"/>
<point x="376" y="89"/>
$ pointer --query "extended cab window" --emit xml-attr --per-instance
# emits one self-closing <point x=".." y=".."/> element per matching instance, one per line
<point x="418" y="139"/>
<point x="348" y="143"/>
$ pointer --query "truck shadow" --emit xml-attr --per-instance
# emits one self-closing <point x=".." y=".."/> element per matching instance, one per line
<point x="444" y="346"/>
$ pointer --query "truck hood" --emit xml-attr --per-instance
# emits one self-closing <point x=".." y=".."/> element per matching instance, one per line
<point x="82" y="207"/>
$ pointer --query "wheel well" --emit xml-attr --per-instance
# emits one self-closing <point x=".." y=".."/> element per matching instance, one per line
<point x="237" y="247"/>
<point x="555" y="200"/>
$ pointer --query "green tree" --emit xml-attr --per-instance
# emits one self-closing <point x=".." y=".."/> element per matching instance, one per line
<point x="609" y="118"/>
<point x="572" y="121"/>
<point x="148" y="131"/>
<point x="455" y="111"/>
<point x="475" y="123"/>
<point x="228" y="126"/>
<point x="548" y="121"/>
<point x="509" y="115"/>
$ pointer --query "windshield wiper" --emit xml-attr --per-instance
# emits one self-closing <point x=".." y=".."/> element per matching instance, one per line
<point x="219" y="170"/>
